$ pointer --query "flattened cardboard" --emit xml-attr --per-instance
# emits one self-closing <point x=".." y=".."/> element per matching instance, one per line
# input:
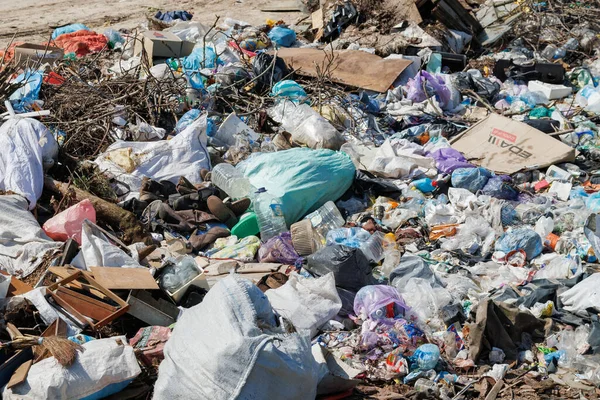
<point x="350" y="67"/>
<point x="506" y="146"/>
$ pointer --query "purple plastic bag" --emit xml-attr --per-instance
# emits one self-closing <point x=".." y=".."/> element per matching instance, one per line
<point x="372" y="301"/>
<point x="449" y="159"/>
<point x="437" y="83"/>
<point x="279" y="249"/>
<point x="414" y="89"/>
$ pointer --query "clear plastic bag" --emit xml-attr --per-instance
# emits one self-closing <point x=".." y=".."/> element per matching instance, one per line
<point x="379" y="301"/>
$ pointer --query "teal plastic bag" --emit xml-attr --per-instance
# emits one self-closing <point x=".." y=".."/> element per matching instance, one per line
<point x="304" y="179"/>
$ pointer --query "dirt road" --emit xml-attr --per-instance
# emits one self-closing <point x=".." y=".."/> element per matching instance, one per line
<point x="32" y="20"/>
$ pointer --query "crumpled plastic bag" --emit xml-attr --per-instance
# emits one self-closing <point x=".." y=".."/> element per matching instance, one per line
<point x="69" y="223"/>
<point x="472" y="179"/>
<point x="498" y="188"/>
<point x="449" y="159"/>
<point x="583" y="297"/>
<point x="307" y="302"/>
<point x="400" y="158"/>
<point x="523" y="238"/>
<point x="370" y="301"/>
<point x="279" y="249"/>
<point x="349" y="265"/>
<point x="81" y="42"/>
<point x="307" y="126"/>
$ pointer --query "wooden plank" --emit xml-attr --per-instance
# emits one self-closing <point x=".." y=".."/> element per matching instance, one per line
<point x="465" y="15"/>
<point x="17" y="286"/>
<point x="285" y="7"/>
<point x="124" y="278"/>
<point x="20" y="374"/>
<point x="85" y="305"/>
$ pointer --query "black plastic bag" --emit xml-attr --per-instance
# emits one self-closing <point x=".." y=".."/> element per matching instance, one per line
<point x="269" y="75"/>
<point x="350" y="266"/>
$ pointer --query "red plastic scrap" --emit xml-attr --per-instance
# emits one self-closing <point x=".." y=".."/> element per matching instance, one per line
<point x="81" y="42"/>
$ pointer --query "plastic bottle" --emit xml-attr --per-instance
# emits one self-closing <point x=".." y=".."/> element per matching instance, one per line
<point x="427" y="356"/>
<point x="549" y="51"/>
<point x="555" y="173"/>
<point x="232" y="181"/>
<point x="351" y="237"/>
<point x="373" y="247"/>
<point x="269" y="213"/>
<point x="326" y="218"/>
<point x="423" y="385"/>
<point x="425" y="185"/>
<point x="391" y="259"/>
<point x="267" y="146"/>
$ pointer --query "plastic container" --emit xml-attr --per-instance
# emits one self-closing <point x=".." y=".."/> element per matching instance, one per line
<point x="246" y="226"/>
<point x="555" y="173"/>
<point x="269" y="213"/>
<point x="326" y="218"/>
<point x="232" y="181"/>
<point x="178" y="274"/>
<point x="427" y="356"/>
<point x="68" y="224"/>
<point x="267" y="146"/>
<point x="371" y="245"/>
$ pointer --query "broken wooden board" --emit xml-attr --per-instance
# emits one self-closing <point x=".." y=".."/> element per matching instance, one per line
<point x="348" y="67"/>
<point x="114" y="278"/>
<point x="20" y="374"/>
<point x="17" y="286"/>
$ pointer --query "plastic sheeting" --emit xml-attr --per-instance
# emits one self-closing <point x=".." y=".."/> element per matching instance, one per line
<point x="184" y="155"/>
<point x="303" y="179"/>
<point x="105" y="367"/>
<point x="27" y="146"/>
<point x="227" y="347"/>
<point x="308" y="303"/>
<point x="23" y="243"/>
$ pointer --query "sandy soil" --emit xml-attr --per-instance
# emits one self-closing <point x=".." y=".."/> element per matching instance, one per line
<point x="33" y="20"/>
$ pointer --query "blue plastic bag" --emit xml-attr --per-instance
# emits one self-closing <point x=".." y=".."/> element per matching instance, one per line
<point x="496" y="187"/>
<point x="23" y="98"/>
<point x="304" y="179"/>
<point x="520" y="239"/>
<point x="170" y="16"/>
<point x="68" y="29"/>
<point x="284" y="37"/>
<point x="187" y="119"/>
<point x="290" y="90"/>
<point x="593" y="202"/>
<point x="472" y="179"/>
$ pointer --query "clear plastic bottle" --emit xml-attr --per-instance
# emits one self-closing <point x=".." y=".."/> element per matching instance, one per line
<point x="549" y="51"/>
<point x="269" y="213"/>
<point x="232" y="181"/>
<point x="351" y="237"/>
<point x="391" y="259"/>
<point x="326" y="218"/>
<point x="267" y="146"/>
<point x="373" y="247"/>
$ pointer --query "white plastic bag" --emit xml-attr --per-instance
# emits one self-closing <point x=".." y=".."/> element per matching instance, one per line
<point x="184" y="155"/>
<point x="98" y="251"/>
<point x="307" y="302"/>
<point x="104" y="362"/>
<point x="584" y="295"/>
<point x="28" y="147"/>
<point x="228" y="347"/>
<point x="306" y="125"/>
<point x="399" y="158"/>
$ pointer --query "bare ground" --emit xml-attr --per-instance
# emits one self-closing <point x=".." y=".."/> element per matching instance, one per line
<point x="33" y="20"/>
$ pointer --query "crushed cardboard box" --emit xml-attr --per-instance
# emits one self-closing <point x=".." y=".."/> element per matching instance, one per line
<point x="506" y="146"/>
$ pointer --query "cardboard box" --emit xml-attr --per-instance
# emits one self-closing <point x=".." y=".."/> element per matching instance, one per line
<point x="506" y="146"/>
<point x="160" y="44"/>
<point x="33" y="53"/>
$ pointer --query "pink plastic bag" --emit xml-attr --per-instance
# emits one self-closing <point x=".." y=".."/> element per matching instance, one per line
<point x="67" y="224"/>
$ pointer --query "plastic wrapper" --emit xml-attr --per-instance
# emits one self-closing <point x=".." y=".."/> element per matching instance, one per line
<point x="290" y="90"/>
<point x="279" y="249"/>
<point x="379" y="301"/>
<point x="68" y="224"/>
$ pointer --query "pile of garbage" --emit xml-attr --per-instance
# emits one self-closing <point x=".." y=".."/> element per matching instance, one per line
<point x="391" y="200"/>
